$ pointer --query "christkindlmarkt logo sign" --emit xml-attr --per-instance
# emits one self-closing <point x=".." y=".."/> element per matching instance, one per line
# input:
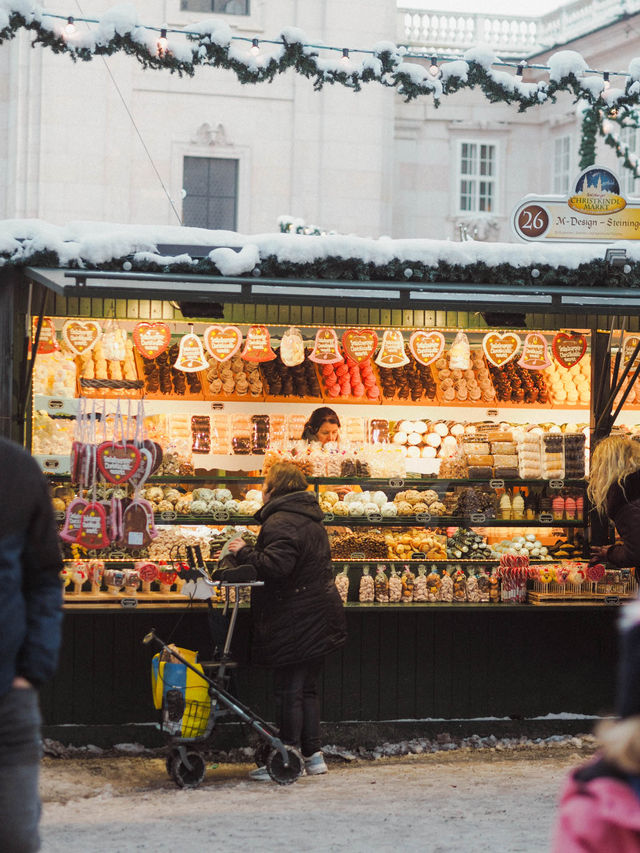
<point x="594" y="211"/>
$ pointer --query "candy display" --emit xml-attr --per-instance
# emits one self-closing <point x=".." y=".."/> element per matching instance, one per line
<point x="298" y="381"/>
<point x="366" y="592"/>
<point x="235" y="377"/>
<point x="342" y="584"/>
<point x="465" y="385"/>
<point x="412" y="381"/>
<point x="515" y="384"/>
<point x="569" y="385"/>
<point x="350" y="380"/>
<point x="414" y="540"/>
<point x="467" y="544"/>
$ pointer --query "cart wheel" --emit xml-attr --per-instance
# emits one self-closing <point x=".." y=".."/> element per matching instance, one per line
<point x="281" y="774"/>
<point x="187" y="777"/>
<point x="262" y="753"/>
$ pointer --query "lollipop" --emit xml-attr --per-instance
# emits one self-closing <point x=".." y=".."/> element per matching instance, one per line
<point x="114" y="579"/>
<point x="167" y="577"/>
<point x="148" y="572"/>
<point x="576" y="574"/>
<point x="546" y="574"/>
<point x="96" y="573"/>
<point x="79" y="574"/>
<point x="595" y="573"/>
<point x="562" y="574"/>
<point x="65" y="577"/>
<point x="131" y="581"/>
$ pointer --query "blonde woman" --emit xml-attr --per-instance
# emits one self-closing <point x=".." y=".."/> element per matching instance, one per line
<point x="614" y="490"/>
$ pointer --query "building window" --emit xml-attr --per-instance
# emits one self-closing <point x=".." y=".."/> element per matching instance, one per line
<point x="629" y="138"/>
<point x="226" y="7"/>
<point x="210" y="190"/>
<point x="477" y="187"/>
<point x="561" y="164"/>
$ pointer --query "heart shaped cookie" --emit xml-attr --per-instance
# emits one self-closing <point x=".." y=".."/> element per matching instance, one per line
<point x="500" y="348"/>
<point x="117" y="462"/>
<point x="81" y="335"/>
<point x="426" y="347"/>
<point x="222" y="342"/>
<point x="569" y="347"/>
<point x="151" y="339"/>
<point x="359" y="344"/>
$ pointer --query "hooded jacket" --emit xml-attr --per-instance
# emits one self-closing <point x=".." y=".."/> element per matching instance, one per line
<point x="297" y="614"/>
<point x="30" y="562"/>
<point x="623" y="508"/>
<point x="599" y="813"/>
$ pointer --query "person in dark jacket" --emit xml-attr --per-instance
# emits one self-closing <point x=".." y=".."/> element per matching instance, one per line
<point x="298" y="617"/>
<point x="30" y="622"/>
<point x="614" y="490"/>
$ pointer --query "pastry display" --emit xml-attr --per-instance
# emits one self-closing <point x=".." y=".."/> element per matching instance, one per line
<point x="283" y="381"/>
<point x="233" y="378"/>
<point x="515" y="384"/>
<point x="414" y="540"/>
<point x="350" y="380"/>
<point x="470" y="385"/>
<point x="569" y="385"/>
<point x="413" y="381"/>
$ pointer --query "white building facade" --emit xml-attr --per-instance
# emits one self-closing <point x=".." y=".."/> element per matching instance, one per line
<point x="107" y="141"/>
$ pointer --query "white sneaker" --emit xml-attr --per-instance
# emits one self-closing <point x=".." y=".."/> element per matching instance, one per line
<point x="260" y="774"/>
<point x="315" y="764"/>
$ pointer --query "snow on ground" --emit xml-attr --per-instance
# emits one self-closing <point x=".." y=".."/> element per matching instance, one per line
<point x="466" y="800"/>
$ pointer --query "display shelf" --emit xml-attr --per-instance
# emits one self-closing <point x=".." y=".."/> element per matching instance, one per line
<point x="443" y="521"/>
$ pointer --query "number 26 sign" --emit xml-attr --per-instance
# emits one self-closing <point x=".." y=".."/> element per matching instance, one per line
<point x="531" y="221"/>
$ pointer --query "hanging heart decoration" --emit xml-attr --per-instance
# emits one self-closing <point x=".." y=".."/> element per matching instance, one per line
<point x="151" y="339"/>
<point x="222" y="342"/>
<point x="535" y="354"/>
<point x="392" y="352"/>
<point x="139" y="477"/>
<point x="93" y="527"/>
<point x="426" y="347"/>
<point x="156" y="453"/>
<point x="569" y="347"/>
<point x="292" y="347"/>
<point x="73" y="520"/>
<point x="257" y="346"/>
<point x="117" y="462"/>
<point x="359" y="344"/>
<point x="47" y="342"/>
<point x="135" y="526"/>
<point x="326" y="349"/>
<point x="191" y="356"/>
<point x="500" y="348"/>
<point x="81" y="335"/>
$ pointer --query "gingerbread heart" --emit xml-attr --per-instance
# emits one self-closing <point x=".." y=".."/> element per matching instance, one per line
<point x="73" y="520"/>
<point x="117" y="462"/>
<point x="81" y="335"/>
<point x="360" y="344"/>
<point x="140" y="477"/>
<point x="426" y="347"/>
<point x="500" y="348"/>
<point x="569" y="347"/>
<point x="151" y="339"/>
<point x="222" y="342"/>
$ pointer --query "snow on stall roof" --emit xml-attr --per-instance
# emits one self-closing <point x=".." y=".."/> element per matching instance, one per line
<point x="98" y="243"/>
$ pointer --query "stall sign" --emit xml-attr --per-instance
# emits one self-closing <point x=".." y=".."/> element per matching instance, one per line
<point x="535" y="354"/>
<point x="151" y="339"/>
<point x="326" y="349"/>
<point x="392" y="352"/>
<point x="500" y="348"/>
<point x="81" y="335"/>
<point x="360" y="344"/>
<point x="190" y="355"/>
<point x="222" y="342"/>
<point x="593" y="211"/>
<point x="629" y="345"/>
<point x="257" y="346"/>
<point x="426" y="347"/>
<point x="569" y="347"/>
<point x="47" y="342"/>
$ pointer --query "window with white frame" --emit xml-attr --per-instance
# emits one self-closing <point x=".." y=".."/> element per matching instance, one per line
<point x="226" y="7"/>
<point x="561" y="165"/>
<point x="629" y="138"/>
<point x="477" y="182"/>
<point x="210" y="192"/>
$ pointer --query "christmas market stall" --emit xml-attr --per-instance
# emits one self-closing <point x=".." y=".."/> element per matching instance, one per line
<point x="156" y="375"/>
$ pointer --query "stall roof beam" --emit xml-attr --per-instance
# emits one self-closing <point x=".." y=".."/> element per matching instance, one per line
<point x="321" y="292"/>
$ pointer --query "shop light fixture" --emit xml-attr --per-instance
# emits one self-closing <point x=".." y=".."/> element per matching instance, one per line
<point x="605" y="77"/>
<point x="434" y="70"/>
<point x="345" y="55"/>
<point x="255" y="47"/>
<point x="162" y="43"/>
<point x="70" y="28"/>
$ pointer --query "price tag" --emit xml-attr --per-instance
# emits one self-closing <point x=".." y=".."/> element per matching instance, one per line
<point x="396" y="483"/>
<point x="418" y="555"/>
<point x="168" y="515"/>
<point x="374" y="516"/>
<point x="118" y="555"/>
<point x="478" y="517"/>
<point x="135" y="537"/>
<point x="129" y="603"/>
<point x="55" y="405"/>
<point x="556" y="484"/>
<point x="423" y="517"/>
<point x="51" y="464"/>
<point x="545" y="518"/>
<point x="357" y="555"/>
<point x="496" y="484"/>
<point x="328" y="517"/>
<point x="221" y="515"/>
<point x="216" y="407"/>
<point x="492" y="413"/>
<point x="59" y="516"/>
<point x="612" y="599"/>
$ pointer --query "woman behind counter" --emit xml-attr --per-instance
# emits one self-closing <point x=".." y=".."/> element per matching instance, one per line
<point x="298" y="616"/>
<point x="614" y="490"/>
<point x="323" y="426"/>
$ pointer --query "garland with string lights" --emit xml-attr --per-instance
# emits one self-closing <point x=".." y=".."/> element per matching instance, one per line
<point x="252" y="61"/>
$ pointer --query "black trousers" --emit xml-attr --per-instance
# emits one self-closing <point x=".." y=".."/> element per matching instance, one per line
<point x="298" y="706"/>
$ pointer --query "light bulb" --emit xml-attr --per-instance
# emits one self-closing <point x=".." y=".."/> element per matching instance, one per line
<point x="434" y="70"/>
<point x="70" y="28"/>
<point x="520" y="70"/>
<point x="255" y="47"/>
<point x="605" y="77"/>
<point x="345" y="55"/>
<point x="162" y="43"/>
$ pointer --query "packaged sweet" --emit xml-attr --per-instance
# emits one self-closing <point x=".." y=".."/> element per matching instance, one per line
<point x="408" y="580"/>
<point x="395" y="587"/>
<point x="420" y="585"/>
<point x="342" y="584"/>
<point x="446" y="587"/>
<point x="433" y="585"/>
<point x="366" y="592"/>
<point x="381" y="586"/>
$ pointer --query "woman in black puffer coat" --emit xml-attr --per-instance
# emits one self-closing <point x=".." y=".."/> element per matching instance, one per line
<point x="614" y="490"/>
<point x="298" y="616"/>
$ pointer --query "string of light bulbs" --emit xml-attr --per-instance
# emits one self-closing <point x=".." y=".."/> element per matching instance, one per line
<point x="213" y="44"/>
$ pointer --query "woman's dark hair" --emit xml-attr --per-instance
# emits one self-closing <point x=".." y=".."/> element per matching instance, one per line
<point x="284" y="478"/>
<point x="323" y="415"/>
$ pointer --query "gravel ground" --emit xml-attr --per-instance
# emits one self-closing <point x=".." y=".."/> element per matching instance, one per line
<point x="464" y="800"/>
